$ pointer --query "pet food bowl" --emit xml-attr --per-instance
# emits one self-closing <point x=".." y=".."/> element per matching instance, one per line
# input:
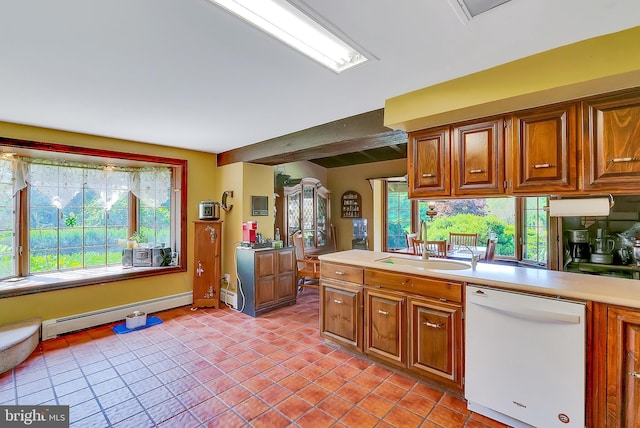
<point x="136" y="319"/>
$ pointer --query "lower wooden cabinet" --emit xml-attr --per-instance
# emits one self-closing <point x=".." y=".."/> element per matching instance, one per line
<point x="267" y="279"/>
<point x="385" y="314"/>
<point x="617" y="367"/>
<point x="341" y="314"/>
<point x="435" y="339"/>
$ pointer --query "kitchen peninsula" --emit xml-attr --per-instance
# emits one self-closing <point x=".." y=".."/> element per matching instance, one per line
<point x="394" y="310"/>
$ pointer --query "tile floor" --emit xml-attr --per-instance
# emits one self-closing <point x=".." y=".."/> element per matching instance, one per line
<point x="222" y="368"/>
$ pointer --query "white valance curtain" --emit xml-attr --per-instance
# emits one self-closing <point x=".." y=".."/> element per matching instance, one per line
<point x="60" y="183"/>
<point x="12" y="179"/>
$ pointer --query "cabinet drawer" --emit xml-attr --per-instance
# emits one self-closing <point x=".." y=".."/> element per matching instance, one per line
<point x="342" y="272"/>
<point x="450" y="291"/>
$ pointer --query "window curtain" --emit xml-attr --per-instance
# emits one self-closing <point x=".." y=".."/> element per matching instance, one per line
<point x="59" y="184"/>
<point x="12" y="178"/>
<point x="110" y="185"/>
<point x="152" y="186"/>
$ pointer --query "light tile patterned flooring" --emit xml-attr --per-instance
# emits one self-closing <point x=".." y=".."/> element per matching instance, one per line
<point x="222" y="368"/>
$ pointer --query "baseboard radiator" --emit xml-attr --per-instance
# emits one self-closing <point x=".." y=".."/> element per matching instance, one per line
<point x="54" y="327"/>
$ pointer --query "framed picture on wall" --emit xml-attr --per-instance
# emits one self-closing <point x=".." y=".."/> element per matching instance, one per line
<point x="259" y="205"/>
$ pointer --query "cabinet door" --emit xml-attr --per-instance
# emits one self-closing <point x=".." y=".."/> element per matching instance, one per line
<point x="341" y="315"/>
<point x="265" y="275"/>
<point x="435" y="339"/>
<point x="478" y="158"/>
<point x="623" y="368"/>
<point x="285" y="285"/>
<point x="611" y="143"/>
<point x="544" y="150"/>
<point x="428" y="165"/>
<point x="384" y="326"/>
<point x="206" y="280"/>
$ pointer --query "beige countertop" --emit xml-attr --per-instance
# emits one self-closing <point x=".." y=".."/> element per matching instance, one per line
<point x="618" y="291"/>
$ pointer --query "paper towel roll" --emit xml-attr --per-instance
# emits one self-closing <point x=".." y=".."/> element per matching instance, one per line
<point x="590" y="207"/>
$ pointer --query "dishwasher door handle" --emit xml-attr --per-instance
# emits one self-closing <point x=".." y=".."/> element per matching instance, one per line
<point x="524" y="312"/>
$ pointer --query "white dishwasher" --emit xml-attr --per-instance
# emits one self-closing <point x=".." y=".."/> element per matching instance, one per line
<point x="525" y="358"/>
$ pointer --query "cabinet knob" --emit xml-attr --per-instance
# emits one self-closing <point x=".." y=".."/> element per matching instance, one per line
<point x="619" y="160"/>
<point x="476" y="171"/>
<point x="428" y="175"/>
<point x="432" y="325"/>
<point x="543" y="165"/>
<point x="339" y="272"/>
<point x="337" y="301"/>
<point x="381" y="312"/>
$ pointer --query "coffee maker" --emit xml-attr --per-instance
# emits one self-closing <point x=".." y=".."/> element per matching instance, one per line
<point x="579" y="245"/>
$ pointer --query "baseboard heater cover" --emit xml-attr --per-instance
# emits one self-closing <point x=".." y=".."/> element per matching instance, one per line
<point x="54" y="327"/>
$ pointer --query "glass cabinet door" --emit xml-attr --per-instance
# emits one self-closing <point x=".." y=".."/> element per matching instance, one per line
<point x="308" y="209"/>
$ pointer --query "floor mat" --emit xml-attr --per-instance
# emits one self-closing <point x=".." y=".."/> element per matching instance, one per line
<point x="122" y="328"/>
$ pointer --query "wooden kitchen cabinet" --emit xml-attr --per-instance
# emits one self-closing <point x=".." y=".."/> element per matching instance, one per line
<point x="341" y="305"/>
<point x="341" y="314"/>
<point x="207" y="255"/>
<point x="478" y="158"/>
<point x="616" y="367"/>
<point x="611" y="143"/>
<point x="429" y="163"/>
<point x="384" y="325"/>
<point x="267" y="278"/>
<point x="544" y="151"/>
<point x="435" y="340"/>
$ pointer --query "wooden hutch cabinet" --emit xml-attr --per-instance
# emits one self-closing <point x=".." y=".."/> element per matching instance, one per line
<point x="478" y="158"/>
<point x="429" y="160"/>
<point x="207" y="256"/>
<point x="544" y="154"/>
<point x="612" y="143"/>
<point x="307" y="207"/>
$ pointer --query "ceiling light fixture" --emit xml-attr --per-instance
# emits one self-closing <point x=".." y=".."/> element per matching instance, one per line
<point x="290" y="25"/>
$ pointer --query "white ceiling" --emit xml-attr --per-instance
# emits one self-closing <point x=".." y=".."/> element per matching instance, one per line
<point x="185" y="73"/>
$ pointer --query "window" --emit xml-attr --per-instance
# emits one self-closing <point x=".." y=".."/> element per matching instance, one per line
<point x="80" y="207"/>
<point x="399" y="208"/>
<point x="488" y="217"/>
<point x="535" y="230"/>
<point x="501" y="219"/>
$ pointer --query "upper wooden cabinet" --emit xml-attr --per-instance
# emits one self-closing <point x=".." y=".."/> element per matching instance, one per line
<point x="478" y="158"/>
<point x="611" y="139"/>
<point x="544" y="153"/>
<point x="429" y="161"/>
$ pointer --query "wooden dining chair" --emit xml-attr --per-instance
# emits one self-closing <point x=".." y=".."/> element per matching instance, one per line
<point x="410" y="237"/>
<point x="307" y="267"/>
<point x="459" y="239"/>
<point x="437" y="248"/>
<point x="418" y="246"/>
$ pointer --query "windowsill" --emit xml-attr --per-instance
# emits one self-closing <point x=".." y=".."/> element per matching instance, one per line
<point x="78" y="278"/>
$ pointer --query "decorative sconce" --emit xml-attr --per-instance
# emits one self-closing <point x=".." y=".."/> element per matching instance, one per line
<point x="225" y="194"/>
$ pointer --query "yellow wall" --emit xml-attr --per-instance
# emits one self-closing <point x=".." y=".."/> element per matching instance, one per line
<point x="245" y="180"/>
<point x="355" y="178"/>
<point x="52" y="304"/>
<point x="592" y="66"/>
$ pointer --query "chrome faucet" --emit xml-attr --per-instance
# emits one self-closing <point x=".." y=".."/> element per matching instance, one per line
<point x="474" y="257"/>
<point x="425" y="254"/>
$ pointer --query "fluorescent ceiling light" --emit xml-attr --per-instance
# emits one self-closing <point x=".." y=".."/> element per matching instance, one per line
<point x="291" y="26"/>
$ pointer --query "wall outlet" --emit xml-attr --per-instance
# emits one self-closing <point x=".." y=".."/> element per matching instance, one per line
<point x="226" y="278"/>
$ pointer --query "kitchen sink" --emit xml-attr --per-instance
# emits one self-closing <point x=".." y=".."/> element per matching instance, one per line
<point x="426" y="264"/>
